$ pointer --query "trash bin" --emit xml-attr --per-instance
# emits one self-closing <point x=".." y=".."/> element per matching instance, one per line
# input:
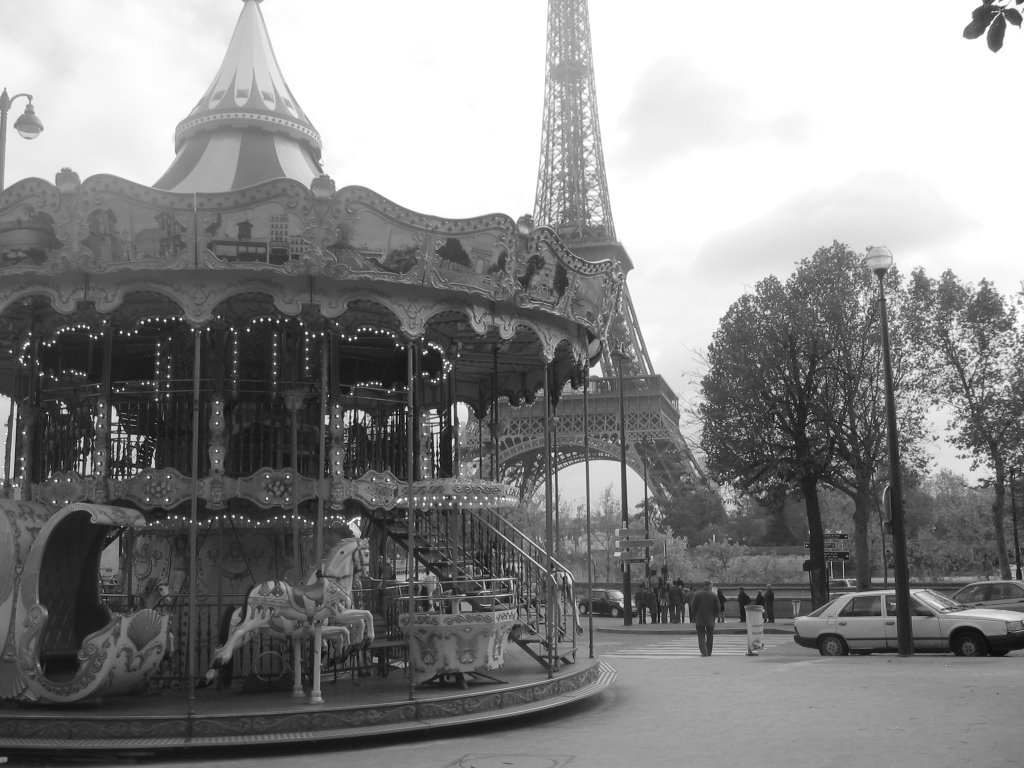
<point x="796" y="608"/>
<point x="755" y="629"/>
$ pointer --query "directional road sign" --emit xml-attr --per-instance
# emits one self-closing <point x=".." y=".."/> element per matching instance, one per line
<point x="634" y="543"/>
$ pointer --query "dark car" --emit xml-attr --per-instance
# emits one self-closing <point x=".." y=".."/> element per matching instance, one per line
<point x="606" y="602"/>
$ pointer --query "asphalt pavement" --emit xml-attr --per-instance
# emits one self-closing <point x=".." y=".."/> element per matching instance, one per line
<point x="669" y="707"/>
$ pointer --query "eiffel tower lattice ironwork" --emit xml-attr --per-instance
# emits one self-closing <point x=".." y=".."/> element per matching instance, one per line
<point x="572" y="198"/>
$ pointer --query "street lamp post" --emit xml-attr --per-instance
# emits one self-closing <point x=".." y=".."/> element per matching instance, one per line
<point x="627" y="588"/>
<point x="1013" y="511"/>
<point x="878" y="260"/>
<point x="27" y="125"/>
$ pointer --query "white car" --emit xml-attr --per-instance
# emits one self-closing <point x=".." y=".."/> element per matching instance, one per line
<point x="865" y="622"/>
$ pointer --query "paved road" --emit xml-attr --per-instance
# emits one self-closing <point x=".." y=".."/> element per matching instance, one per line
<point x="785" y="707"/>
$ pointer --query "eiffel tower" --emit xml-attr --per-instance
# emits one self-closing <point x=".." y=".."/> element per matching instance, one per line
<point x="572" y="198"/>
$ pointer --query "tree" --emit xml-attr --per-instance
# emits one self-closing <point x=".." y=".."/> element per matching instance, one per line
<point x="760" y="415"/>
<point x="991" y="17"/>
<point x="794" y="396"/>
<point x="690" y="515"/>
<point x="846" y="292"/>
<point x="973" y="352"/>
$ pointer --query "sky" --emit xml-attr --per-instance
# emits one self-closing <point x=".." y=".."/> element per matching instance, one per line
<point x="738" y="138"/>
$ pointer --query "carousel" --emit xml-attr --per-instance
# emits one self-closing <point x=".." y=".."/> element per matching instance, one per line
<point x="235" y="505"/>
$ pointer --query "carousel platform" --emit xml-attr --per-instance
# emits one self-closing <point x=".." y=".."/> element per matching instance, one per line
<point x="251" y="713"/>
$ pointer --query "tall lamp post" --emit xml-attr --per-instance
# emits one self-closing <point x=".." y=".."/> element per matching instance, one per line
<point x="878" y="260"/>
<point x="27" y="125"/>
<point x="621" y="356"/>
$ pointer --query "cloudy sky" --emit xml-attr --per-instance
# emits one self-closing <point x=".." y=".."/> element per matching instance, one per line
<point x="738" y="138"/>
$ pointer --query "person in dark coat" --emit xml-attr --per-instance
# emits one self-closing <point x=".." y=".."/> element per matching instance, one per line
<point x="705" y="606"/>
<point x="721" y="603"/>
<point x="641" y="604"/>
<point x="653" y="605"/>
<point x="743" y="599"/>
<point x="769" y="605"/>
<point x="676" y="602"/>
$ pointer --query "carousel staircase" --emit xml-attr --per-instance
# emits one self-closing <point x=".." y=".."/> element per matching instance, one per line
<point x="473" y="551"/>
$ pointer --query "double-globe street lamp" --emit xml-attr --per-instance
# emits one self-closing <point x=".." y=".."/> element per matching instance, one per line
<point x="27" y="125"/>
<point x="878" y="260"/>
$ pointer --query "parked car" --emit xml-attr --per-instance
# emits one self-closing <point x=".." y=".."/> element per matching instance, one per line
<point x="607" y="602"/>
<point x="835" y="586"/>
<point x="865" y="622"/>
<point x="1008" y="595"/>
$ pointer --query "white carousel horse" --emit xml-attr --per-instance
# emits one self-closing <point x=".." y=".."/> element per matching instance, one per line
<point x="154" y="594"/>
<point x="565" y="591"/>
<point x="321" y="608"/>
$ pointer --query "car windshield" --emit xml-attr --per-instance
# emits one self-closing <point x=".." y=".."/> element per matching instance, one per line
<point x="822" y="609"/>
<point x="614" y="594"/>
<point x="938" y="602"/>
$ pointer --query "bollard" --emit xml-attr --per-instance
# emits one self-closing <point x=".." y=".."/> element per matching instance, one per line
<point x="755" y="629"/>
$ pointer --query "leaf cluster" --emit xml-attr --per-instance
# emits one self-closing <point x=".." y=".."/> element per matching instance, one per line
<point x="990" y="19"/>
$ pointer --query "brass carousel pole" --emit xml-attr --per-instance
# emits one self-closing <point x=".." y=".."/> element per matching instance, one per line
<point x="551" y="629"/>
<point x="410" y="472"/>
<point x="586" y="467"/>
<point x="193" y="572"/>
<point x="321" y="453"/>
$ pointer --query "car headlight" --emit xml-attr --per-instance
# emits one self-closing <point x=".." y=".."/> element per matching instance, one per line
<point x="1015" y="626"/>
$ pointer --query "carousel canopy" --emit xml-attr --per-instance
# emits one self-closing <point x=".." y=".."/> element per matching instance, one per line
<point x="247" y="128"/>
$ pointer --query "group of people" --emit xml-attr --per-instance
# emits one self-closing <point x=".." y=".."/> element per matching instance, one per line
<point x="666" y="602"/>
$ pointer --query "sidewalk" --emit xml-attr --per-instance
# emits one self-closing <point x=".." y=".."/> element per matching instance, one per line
<point x="729" y="627"/>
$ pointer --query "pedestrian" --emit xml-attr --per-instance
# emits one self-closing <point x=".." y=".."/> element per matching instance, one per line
<point x="676" y="602"/>
<point x="663" y="598"/>
<point x="743" y="600"/>
<point x="641" y="603"/>
<point x="759" y="601"/>
<point x="706" y="612"/>
<point x="652" y="604"/>
<point x="721" y="603"/>
<point x="769" y="605"/>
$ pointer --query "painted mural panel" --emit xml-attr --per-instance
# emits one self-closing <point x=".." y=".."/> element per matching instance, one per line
<point x="27" y="230"/>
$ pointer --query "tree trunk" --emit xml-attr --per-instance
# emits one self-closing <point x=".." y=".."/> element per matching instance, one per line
<point x="997" y="516"/>
<point x="861" y="520"/>
<point x="817" y="575"/>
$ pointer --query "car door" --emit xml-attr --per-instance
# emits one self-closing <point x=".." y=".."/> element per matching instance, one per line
<point x="924" y="626"/>
<point x="860" y="622"/>
<point x="1006" y="595"/>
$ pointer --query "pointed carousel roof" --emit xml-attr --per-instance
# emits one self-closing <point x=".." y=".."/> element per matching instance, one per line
<point x="247" y="128"/>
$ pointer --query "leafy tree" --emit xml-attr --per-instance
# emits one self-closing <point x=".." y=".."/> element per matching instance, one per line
<point x="692" y="514"/>
<point x="719" y="558"/>
<point x="990" y="19"/>
<point x="760" y="413"/>
<point x="847" y="296"/>
<point x="974" y="358"/>
<point x="794" y="397"/>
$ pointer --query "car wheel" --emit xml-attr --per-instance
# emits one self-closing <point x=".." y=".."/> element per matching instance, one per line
<point x="615" y="613"/>
<point x="969" y="643"/>
<point x="833" y="645"/>
<point x="583" y="609"/>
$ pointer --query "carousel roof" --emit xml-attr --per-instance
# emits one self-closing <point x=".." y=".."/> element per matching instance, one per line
<point x="247" y="128"/>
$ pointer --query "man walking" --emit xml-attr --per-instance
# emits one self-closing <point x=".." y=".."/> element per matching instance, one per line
<point x="704" y="608"/>
<point x="769" y="605"/>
